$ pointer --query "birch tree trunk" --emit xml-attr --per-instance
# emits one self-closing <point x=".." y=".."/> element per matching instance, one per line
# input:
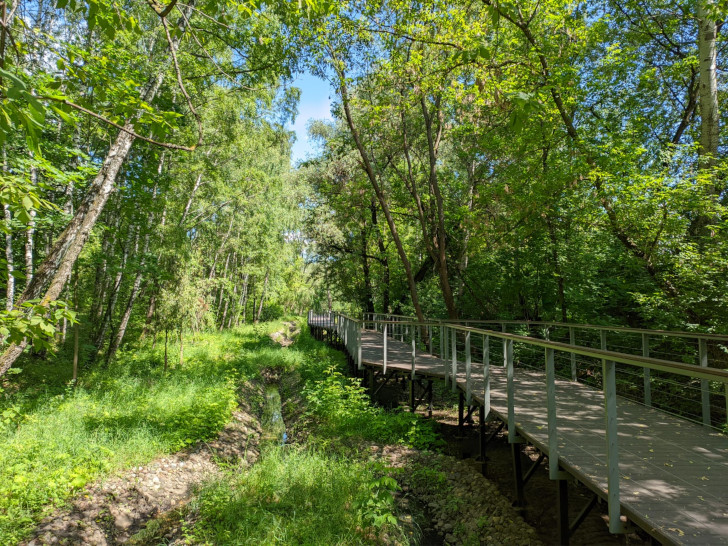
<point x="262" y="298"/>
<point x="135" y="289"/>
<point x="55" y="270"/>
<point x="10" y="288"/>
<point x="708" y="84"/>
<point x="114" y="296"/>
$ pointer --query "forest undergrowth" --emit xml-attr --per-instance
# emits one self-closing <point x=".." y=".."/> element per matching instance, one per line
<point x="54" y="438"/>
<point x="322" y="487"/>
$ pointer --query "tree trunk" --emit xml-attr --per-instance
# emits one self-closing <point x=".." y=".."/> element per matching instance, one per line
<point x="10" y="288"/>
<point x="441" y="239"/>
<point x="384" y="258"/>
<point x="54" y="271"/>
<point x="244" y="299"/>
<point x="181" y="348"/>
<point x="195" y="187"/>
<point x="76" y="327"/>
<point x="30" y="232"/>
<point x="166" y="344"/>
<point x="262" y="298"/>
<point x="369" y="169"/>
<point x="709" y="110"/>
<point x="115" y="289"/>
<point x="368" y="296"/>
<point x="557" y="268"/>
<point x="135" y="289"/>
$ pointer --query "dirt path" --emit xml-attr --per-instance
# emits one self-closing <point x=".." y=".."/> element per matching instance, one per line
<point x="111" y="511"/>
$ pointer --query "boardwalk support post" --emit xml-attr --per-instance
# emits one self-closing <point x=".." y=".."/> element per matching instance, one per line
<point x="461" y="412"/>
<point x="508" y="363"/>
<point x="610" y="401"/>
<point x="412" y="403"/>
<point x="704" y="383"/>
<point x="414" y="354"/>
<point x="517" y="473"/>
<point x="572" y="341"/>
<point x="646" y="371"/>
<point x="553" y="433"/>
<point x="486" y="375"/>
<point x="483" y="441"/>
<point x="359" y="364"/>
<point x="454" y="371"/>
<point x="468" y="364"/>
<point x="384" y="351"/>
<point x="563" y="504"/>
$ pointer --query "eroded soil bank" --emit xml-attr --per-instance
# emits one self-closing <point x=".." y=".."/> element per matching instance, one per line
<point x="113" y="510"/>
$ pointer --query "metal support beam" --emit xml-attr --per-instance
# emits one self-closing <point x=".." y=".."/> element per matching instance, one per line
<point x="563" y="504"/>
<point x="583" y="514"/>
<point x="534" y="466"/>
<point x="610" y="400"/>
<point x="461" y="412"/>
<point x="646" y="371"/>
<point x="517" y="474"/>
<point x="704" y="383"/>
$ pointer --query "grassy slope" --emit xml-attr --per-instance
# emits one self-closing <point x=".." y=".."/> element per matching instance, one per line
<point x="321" y="492"/>
<point x="54" y="439"/>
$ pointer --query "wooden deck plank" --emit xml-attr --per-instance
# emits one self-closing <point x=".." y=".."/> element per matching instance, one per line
<point x="674" y="473"/>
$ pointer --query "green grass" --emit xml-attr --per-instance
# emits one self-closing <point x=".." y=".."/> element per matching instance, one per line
<point x="325" y="492"/>
<point x="297" y="496"/>
<point x="54" y="439"/>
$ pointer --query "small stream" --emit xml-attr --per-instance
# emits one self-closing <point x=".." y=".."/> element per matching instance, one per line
<point x="274" y="429"/>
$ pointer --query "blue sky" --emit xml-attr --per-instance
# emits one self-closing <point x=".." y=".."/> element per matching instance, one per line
<point x="315" y="103"/>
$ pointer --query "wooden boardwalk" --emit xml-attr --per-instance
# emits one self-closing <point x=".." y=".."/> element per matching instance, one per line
<point x="673" y="473"/>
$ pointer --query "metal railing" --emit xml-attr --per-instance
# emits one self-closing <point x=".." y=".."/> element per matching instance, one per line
<point x="449" y="336"/>
<point x="706" y="350"/>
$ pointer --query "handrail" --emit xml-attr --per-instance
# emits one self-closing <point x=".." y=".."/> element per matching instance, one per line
<point x="346" y="327"/>
<point x="666" y="333"/>
<point x="349" y="330"/>
<point x="689" y="370"/>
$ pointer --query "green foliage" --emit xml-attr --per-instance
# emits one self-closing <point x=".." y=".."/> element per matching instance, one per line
<point x="55" y="439"/>
<point x="298" y="496"/>
<point x="341" y="409"/>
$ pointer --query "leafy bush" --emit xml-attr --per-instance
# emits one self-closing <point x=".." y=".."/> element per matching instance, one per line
<point x="341" y="407"/>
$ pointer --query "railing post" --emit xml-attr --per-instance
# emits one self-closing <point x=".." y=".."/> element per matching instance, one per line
<point x="429" y="337"/>
<point x="551" y="409"/>
<point x="572" y="341"/>
<point x="446" y="351"/>
<point x="603" y="339"/>
<point x="442" y="338"/>
<point x="610" y="403"/>
<point x="646" y="371"/>
<point x="511" y="390"/>
<point x="414" y="352"/>
<point x="486" y="375"/>
<point x="359" y="364"/>
<point x="704" y="383"/>
<point x="384" y="343"/>
<point x="454" y="349"/>
<point x="468" y="364"/>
